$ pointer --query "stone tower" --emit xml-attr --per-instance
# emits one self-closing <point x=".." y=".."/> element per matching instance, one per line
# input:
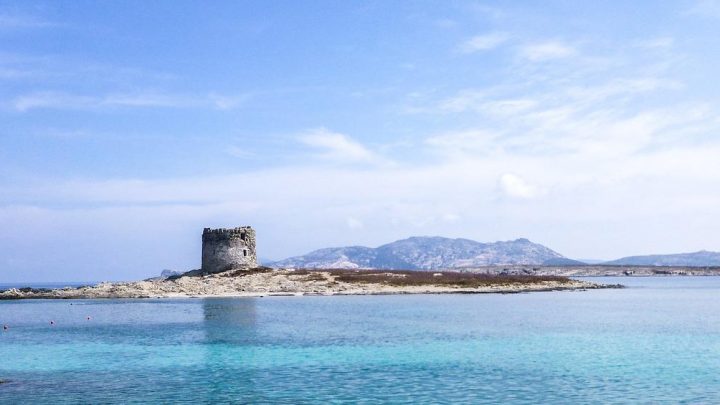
<point x="228" y="248"/>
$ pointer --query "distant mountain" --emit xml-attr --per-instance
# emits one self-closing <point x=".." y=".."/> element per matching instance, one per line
<point x="702" y="258"/>
<point x="429" y="253"/>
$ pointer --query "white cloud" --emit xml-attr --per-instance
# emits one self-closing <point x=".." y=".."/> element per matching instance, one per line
<point x="623" y="87"/>
<point x="338" y="147"/>
<point x="599" y="186"/>
<point x="354" y="223"/>
<point x="451" y="217"/>
<point x="543" y="51"/>
<point x="515" y="186"/>
<point x="483" y="42"/>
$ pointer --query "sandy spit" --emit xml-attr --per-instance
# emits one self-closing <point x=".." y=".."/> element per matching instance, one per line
<point x="275" y="283"/>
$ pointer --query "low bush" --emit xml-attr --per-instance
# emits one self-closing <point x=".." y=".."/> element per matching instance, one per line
<point x="426" y="278"/>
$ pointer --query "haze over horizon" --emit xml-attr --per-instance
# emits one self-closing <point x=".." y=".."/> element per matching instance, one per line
<point x="126" y="128"/>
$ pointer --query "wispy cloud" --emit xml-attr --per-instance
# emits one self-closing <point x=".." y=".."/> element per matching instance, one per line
<point x="705" y="8"/>
<point x="240" y="152"/>
<point x="62" y="70"/>
<point x="68" y="101"/>
<point x="656" y="43"/>
<point x="7" y="73"/>
<point x="18" y="22"/>
<point x="483" y="42"/>
<point x="478" y="101"/>
<point x="52" y="100"/>
<point x="446" y="23"/>
<point x="338" y="147"/>
<point x="477" y="142"/>
<point x="548" y="50"/>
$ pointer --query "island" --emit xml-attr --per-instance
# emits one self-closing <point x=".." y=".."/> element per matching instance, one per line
<point x="263" y="281"/>
<point x="230" y="269"/>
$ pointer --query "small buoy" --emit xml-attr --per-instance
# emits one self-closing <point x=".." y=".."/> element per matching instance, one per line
<point x="52" y="322"/>
<point x="5" y="327"/>
<point x="88" y="318"/>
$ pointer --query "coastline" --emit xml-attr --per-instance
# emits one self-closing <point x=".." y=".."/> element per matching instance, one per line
<point x="591" y="270"/>
<point x="264" y="282"/>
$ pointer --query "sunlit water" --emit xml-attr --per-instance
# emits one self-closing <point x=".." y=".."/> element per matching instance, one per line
<point x="657" y="341"/>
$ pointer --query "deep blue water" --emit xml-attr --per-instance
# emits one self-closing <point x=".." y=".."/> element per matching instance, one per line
<point x="655" y="342"/>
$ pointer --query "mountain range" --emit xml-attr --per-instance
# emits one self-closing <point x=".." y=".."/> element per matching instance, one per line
<point x="429" y="253"/>
<point x="702" y="258"/>
<point x="434" y="252"/>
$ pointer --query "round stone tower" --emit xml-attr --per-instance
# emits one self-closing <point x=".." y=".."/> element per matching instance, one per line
<point x="228" y="248"/>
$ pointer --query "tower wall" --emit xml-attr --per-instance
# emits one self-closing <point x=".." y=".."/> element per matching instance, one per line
<point x="225" y="249"/>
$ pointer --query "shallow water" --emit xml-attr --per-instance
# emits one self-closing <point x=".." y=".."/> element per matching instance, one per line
<point x="657" y="341"/>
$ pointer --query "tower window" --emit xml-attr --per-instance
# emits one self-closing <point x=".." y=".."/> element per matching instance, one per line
<point x="244" y="252"/>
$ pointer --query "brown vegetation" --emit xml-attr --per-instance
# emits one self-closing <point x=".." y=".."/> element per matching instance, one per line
<point x="426" y="278"/>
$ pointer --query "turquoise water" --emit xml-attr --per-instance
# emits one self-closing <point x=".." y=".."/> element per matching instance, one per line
<point x="657" y="341"/>
<point x="7" y="286"/>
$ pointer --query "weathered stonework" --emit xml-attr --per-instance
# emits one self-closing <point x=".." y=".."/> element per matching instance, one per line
<point x="225" y="249"/>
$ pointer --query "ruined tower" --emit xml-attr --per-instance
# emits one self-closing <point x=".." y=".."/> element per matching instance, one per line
<point x="228" y="248"/>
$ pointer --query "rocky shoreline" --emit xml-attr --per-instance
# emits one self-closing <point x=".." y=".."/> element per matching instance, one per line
<point x="267" y="282"/>
<point x="595" y="270"/>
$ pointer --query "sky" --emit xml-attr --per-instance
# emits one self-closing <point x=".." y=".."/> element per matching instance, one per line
<point x="127" y="127"/>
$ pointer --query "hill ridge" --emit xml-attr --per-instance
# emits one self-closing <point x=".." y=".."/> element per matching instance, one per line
<point x="429" y="253"/>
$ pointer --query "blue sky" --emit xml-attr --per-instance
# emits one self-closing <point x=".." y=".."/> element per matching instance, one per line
<point x="127" y="127"/>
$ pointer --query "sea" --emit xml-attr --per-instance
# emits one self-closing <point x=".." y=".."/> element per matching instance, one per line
<point x="7" y="286"/>
<point x="656" y="341"/>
